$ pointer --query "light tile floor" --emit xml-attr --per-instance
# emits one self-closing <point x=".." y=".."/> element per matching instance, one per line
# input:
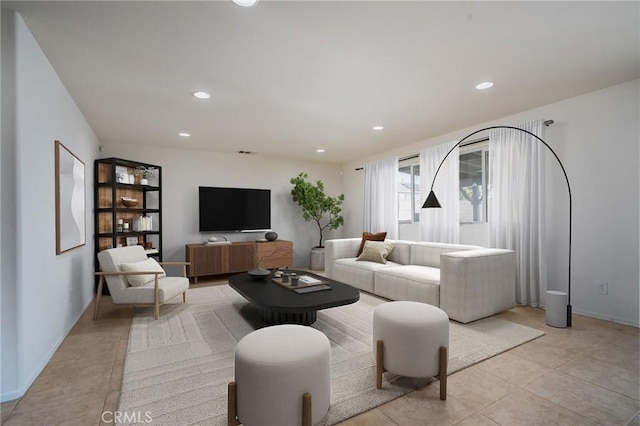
<point x="585" y="375"/>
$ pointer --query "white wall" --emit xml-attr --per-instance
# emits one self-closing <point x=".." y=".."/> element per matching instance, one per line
<point x="596" y="136"/>
<point x="45" y="293"/>
<point x="184" y="171"/>
<point x="8" y="290"/>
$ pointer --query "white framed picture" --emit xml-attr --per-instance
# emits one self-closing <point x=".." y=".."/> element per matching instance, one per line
<point x="132" y="241"/>
<point x="122" y="175"/>
<point x="70" y="199"/>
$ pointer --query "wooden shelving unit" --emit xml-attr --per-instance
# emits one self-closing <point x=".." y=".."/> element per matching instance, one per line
<point x="116" y="178"/>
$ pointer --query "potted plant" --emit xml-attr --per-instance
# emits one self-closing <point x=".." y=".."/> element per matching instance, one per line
<point x="145" y="173"/>
<point x="316" y="206"/>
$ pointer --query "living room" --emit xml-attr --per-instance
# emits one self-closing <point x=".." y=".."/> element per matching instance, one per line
<point x="595" y="133"/>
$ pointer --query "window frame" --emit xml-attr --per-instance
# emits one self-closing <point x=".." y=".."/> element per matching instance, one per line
<point x="483" y="146"/>
<point x="413" y="162"/>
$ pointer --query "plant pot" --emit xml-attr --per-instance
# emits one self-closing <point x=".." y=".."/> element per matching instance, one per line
<point x="144" y="181"/>
<point x="317" y="259"/>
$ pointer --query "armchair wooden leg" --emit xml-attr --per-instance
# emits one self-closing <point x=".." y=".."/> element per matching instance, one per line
<point x="306" y="409"/>
<point x="232" y="405"/>
<point x="184" y="297"/>
<point x="98" y="297"/>
<point x="442" y="374"/>
<point x="379" y="363"/>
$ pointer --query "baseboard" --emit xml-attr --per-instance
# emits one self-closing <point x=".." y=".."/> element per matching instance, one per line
<point x="601" y="317"/>
<point x="10" y="396"/>
<point x="605" y="318"/>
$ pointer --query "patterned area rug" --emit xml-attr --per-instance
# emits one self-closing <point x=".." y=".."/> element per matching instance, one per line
<point x="177" y="368"/>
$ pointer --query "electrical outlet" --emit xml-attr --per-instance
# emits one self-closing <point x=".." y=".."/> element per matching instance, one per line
<point x="603" y="288"/>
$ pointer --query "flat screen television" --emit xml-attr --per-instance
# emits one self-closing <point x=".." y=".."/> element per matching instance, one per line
<point x="234" y="209"/>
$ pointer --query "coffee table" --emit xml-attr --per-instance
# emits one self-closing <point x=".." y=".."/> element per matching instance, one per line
<point x="278" y="305"/>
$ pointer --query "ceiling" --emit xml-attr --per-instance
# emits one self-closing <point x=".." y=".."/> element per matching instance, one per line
<point x="289" y="77"/>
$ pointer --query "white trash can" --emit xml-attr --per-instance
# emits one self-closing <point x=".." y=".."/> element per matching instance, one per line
<point x="556" y="308"/>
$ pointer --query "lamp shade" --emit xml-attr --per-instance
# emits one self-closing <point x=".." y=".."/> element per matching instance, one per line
<point x="431" y="201"/>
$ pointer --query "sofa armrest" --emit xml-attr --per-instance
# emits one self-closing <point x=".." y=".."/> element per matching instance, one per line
<point x="477" y="283"/>
<point x="339" y="249"/>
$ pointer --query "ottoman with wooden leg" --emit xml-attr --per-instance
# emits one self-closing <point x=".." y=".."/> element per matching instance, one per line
<point x="282" y="377"/>
<point x="411" y="339"/>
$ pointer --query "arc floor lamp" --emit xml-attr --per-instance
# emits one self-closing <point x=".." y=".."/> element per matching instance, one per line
<point x="432" y="200"/>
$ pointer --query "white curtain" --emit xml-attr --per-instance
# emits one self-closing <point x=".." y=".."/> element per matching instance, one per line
<point x="517" y="204"/>
<point x="440" y="225"/>
<point x="381" y="197"/>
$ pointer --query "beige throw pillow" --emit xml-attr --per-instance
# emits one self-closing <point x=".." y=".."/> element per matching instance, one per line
<point x="369" y="236"/>
<point x="149" y="265"/>
<point x="376" y="251"/>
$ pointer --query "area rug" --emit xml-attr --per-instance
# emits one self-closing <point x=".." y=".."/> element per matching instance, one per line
<point x="177" y="368"/>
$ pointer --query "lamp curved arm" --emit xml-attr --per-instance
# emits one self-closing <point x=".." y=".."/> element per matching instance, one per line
<point x="432" y="200"/>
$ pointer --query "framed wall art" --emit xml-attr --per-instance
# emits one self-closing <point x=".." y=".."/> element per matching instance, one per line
<point x="132" y="241"/>
<point x="70" y="200"/>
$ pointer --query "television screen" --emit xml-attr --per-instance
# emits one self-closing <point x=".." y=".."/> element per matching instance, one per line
<point x="234" y="209"/>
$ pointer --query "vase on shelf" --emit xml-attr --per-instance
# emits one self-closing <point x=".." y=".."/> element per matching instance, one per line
<point x="144" y="181"/>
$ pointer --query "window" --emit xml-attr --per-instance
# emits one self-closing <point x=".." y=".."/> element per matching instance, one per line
<point x="409" y="192"/>
<point x="474" y="175"/>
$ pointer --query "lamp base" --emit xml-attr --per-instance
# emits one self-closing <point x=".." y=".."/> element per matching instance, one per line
<point x="569" y="315"/>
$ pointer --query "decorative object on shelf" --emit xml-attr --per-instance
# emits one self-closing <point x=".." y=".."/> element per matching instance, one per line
<point x="271" y="236"/>
<point x="145" y="173"/>
<point x="143" y="223"/>
<point x="432" y="200"/>
<point x="120" y="225"/>
<point x="316" y="204"/>
<point x="217" y="240"/>
<point x="132" y="241"/>
<point x="70" y="200"/>
<point x="129" y="202"/>
<point x="258" y="274"/>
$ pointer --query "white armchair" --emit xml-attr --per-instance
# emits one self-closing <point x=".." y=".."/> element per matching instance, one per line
<point x="135" y="279"/>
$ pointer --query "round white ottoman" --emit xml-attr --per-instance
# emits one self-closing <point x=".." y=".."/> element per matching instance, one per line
<point x="411" y="339"/>
<point x="276" y="368"/>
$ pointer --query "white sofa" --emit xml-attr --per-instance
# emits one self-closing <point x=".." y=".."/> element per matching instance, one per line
<point x="467" y="282"/>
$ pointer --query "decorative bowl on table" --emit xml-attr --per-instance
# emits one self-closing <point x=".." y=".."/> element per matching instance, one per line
<point x="129" y="202"/>
<point x="259" y="274"/>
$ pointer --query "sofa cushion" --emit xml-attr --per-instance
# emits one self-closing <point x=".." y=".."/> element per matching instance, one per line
<point x="409" y="282"/>
<point x="369" y="236"/>
<point x="170" y="288"/>
<point x="401" y="253"/>
<point x="428" y="254"/>
<point x="376" y="251"/>
<point x="148" y="265"/>
<point x="358" y="274"/>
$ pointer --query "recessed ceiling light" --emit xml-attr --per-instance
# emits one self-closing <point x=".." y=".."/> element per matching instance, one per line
<point x="201" y="95"/>
<point x="184" y="134"/>
<point x="378" y="128"/>
<point x="245" y="3"/>
<point x="484" y="85"/>
<point x="320" y="150"/>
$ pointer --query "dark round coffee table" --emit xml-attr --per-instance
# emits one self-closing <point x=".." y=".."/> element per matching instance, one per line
<point x="278" y="305"/>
